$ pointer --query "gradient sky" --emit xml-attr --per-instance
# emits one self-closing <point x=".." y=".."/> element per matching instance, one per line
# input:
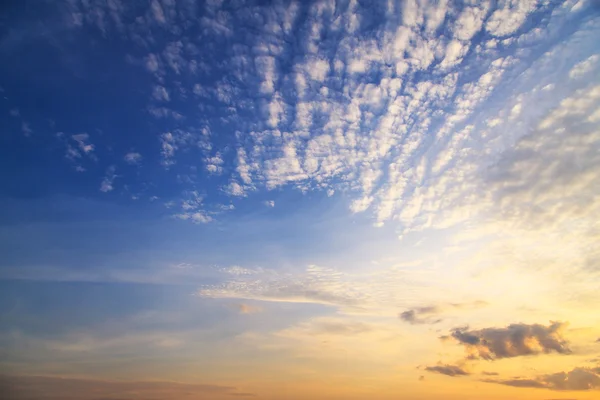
<point x="300" y="200"/>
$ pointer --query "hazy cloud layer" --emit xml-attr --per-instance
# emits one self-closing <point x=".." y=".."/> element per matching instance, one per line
<point x="46" y="388"/>
<point x="244" y="308"/>
<point x="450" y="370"/>
<point x="576" y="379"/>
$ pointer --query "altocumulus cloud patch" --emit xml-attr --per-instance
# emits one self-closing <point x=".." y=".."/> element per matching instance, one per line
<point x="380" y="101"/>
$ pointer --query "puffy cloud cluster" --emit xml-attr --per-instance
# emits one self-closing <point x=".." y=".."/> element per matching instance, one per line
<point x="192" y="209"/>
<point x="338" y="96"/>
<point x="513" y="341"/>
<point x="107" y="183"/>
<point x="133" y="158"/>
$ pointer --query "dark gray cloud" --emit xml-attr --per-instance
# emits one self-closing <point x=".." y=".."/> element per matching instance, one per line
<point x="576" y="379"/>
<point x="522" y="383"/>
<point x="513" y="341"/>
<point x="419" y="316"/>
<point x="489" y="373"/>
<point x="446" y="369"/>
<point x="427" y="314"/>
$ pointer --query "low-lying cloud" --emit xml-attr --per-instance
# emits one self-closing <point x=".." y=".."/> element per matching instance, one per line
<point x="576" y="379"/>
<point x="447" y="369"/>
<point x="47" y="388"/>
<point x="513" y="341"/>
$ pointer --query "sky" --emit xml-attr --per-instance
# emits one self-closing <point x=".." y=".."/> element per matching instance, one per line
<point x="341" y="199"/>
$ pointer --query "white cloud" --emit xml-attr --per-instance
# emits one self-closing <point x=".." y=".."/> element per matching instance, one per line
<point x="193" y="201"/>
<point x="469" y="21"/>
<point x="358" y="65"/>
<point x="360" y="205"/>
<point x="107" y="183"/>
<point x="168" y="148"/>
<point x="422" y="53"/>
<point x="133" y="158"/>
<point x="157" y="12"/>
<point x="82" y="140"/>
<point x="152" y="63"/>
<point x="199" y="90"/>
<point x="192" y="208"/>
<point x="595" y="116"/>
<point x="226" y="92"/>
<point x="547" y="179"/>
<point x="265" y="65"/>
<point x="275" y="111"/>
<point x="317" y="69"/>
<point x="301" y="84"/>
<point x="235" y="189"/>
<point x="214" y="164"/>
<point x="160" y="93"/>
<point x="172" y="54"/>
<point x="198" y="217"/>
<point x="303" y="117"/>
<point x="269" y="203"/>
<point x="164" y="112"/>
<point x="515" y="112"/>
<point x="171" y="142"/>
<point x="242" y="167"/>
<point x="509" y="16"/>
<point x="26" y="129"/>
<point x="411" y="13"/>
<point x="454" y="53"/>
<point x="317" y="285"/>
<point x="285" y="168"/>
<point x="435" y="13"/>
<point x="236" y="270"/>
<point x="584" y="67"/>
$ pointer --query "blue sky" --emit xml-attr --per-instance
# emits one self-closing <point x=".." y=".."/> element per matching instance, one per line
<point x="260" y="174"/>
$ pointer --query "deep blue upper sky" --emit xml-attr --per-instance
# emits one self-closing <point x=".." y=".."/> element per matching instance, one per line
<point x="205" y="117"/>
<point x="231" y="118"/>
<point x="221" y="79"/>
